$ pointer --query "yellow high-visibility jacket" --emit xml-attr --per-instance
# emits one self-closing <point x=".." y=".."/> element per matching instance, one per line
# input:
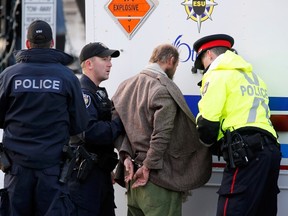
<point x="232" y="97"/>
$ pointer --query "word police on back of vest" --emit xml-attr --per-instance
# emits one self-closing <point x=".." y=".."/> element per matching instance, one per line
<point x="253" y="90"/>
<point x="37" y="84"/>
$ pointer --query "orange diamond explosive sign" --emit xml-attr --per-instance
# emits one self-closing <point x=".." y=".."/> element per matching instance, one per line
<point x="130" y="14"/>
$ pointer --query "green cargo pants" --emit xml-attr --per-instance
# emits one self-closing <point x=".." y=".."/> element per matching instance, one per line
<point x="152" y="200"/>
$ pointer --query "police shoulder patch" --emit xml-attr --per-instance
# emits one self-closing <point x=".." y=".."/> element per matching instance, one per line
<point x="87" y="99"/>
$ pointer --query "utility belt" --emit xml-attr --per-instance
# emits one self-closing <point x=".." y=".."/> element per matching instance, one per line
<point x="77" y="158"/>
<point x="87" y="161"/>
<point x="239" y="148"/>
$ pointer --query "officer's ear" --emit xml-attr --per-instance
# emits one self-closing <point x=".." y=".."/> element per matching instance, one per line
<point x="52" y="43"/>
<point x="28" y="45"/>
<point x="88" y="63"/>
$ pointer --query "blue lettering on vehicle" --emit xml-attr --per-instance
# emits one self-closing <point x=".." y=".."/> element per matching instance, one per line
<point x="37" y="84"/>
<point x="186" y="51"/>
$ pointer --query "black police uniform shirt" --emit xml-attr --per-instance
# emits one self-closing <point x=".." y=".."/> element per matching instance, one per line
<point x="41" y="105"/>
<point x="101" y="131"/>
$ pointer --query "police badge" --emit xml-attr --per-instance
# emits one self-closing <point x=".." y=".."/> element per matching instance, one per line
<point x="87" y="100"/>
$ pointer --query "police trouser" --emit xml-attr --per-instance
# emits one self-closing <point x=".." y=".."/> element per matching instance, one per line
<point x="34" y="192"/>
<point x="252" y="190"/>
<point x="93" y="196"/>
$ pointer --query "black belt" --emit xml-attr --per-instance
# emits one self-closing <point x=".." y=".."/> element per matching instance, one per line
<point x="267" y="138"/>
<point x="242" y="145"/>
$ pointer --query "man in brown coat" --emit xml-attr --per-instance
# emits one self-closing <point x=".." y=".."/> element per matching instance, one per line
<point x="161" y="151"/>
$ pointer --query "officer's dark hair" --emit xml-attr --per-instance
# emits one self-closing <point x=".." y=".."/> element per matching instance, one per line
<point x="164" y="52"/>
<point x="219" y="50"/>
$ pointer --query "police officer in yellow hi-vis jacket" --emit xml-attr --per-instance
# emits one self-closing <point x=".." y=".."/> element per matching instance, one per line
<point x="234" y="121"/>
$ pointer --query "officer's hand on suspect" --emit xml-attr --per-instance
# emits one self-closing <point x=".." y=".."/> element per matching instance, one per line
<point x="141" y="177"/>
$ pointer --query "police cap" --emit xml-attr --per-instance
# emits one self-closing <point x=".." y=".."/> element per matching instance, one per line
<point x="208" y="42"/>
<point x="97" y="49"/>
<point x="39" y="32"/>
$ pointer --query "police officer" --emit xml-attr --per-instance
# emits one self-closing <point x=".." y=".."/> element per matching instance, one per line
<point x="233" y="118"/>
<point x="94" y="194"/>
<point x="41" y="107"/>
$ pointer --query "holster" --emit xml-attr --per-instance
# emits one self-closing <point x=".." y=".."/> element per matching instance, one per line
<point x="239" y="149"/>
<point x="234" y="150"/>
<point x="69" y="158"/>
<point x="86" y="162"/>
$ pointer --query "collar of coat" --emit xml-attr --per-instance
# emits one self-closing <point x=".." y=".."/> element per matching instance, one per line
<point x="155" y="68"/>
<point x="174" y="91"/>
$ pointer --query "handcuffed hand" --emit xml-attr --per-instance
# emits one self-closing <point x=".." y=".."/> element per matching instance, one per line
<point x="129" y="169"/>
<point x="141" y="177"/>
